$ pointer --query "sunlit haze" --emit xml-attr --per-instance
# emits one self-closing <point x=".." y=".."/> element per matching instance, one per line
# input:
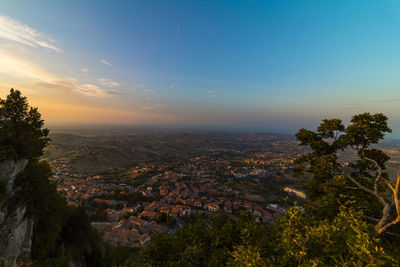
<point x="273" y="65"/>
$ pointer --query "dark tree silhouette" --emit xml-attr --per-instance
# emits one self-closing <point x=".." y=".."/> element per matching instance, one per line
<point x="21" y="129"/>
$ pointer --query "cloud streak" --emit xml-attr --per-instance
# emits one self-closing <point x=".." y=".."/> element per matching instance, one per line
<point x="173" y="84"/>
<point x="39" y="77"/>
<point x="105" y="62"/>
<point x="22" y="69"/>
<point x="152" y="107"/>
<point x="13" y="30"/>
<point x="72" y="85"/>
<point x="108" y="82"/>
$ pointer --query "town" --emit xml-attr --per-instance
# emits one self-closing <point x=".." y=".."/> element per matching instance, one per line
<point x="127" y="207"/>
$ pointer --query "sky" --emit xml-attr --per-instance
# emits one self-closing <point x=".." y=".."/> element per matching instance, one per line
<point x="273" y="65"/>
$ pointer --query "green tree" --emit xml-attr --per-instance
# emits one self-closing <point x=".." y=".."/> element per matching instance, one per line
<point x="60" y="232"/>
<point x="21" y="128"/>
<point x="246" y="256"/>
<point x="44" y="205"/>
<point x="214" y="241"/>
<point x="363" y="180"/>
<point x="347" y="240"/>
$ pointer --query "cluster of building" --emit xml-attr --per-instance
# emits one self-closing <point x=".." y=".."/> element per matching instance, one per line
<point x="271" y="161"/>
<point x="181" y="195"/>
<point x="123" y="229"/>
<point x="194" y="186"/>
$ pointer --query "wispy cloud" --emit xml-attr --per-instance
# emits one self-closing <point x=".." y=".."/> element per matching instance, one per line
<point x="22" y="69"/>
<point x="149" y="91"/>
<point x="108" y="82"/>
<point x="72" y="85"/>
<point x="105" y="62"/>
<point x="115" y="93"/>
<point x="172" y="85"/>
<point x="152" y="107"/>
<point x="13" y="30"/>
<point x="30" y="73"/>
<point x="91" y="90"/>
<point x="85" y="70"/>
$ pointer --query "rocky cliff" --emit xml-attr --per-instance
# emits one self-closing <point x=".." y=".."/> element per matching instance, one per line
<point x="15" y="227"/>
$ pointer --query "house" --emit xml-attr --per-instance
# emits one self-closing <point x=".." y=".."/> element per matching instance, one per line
<point x="123" y="237"/>
<point x="133" y="220"/>
<point x="144" y="239"/>
<point x="102" y="227"/>
<point x="198" y="204"/>
<point x="163" y="191"/>
<point x="151" y="207"/>
<point x="154" y="227"/>
<point x="175" y="211"/>
<point x="213" y="207"/>
<point x="228" y="207"/>
<point x="121" y="224"/>
<point x="165" y="210"/>
<point x="295" y="192"/>
<point x="149" y="215"/>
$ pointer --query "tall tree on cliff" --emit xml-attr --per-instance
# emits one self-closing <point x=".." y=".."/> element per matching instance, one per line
<point x="21" y="129"/>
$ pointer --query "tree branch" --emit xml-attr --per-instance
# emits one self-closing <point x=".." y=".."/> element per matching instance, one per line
<point x="382" y="226"/>
<point x="379" y="170"/>
<point x="372" y="192"/>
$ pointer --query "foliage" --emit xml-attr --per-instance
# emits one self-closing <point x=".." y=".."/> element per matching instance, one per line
<point x="162" y="217"/>
<point x="347" y="240"/>
<point x="21" y="128"/>
<point x="333" y="232"/>
<point x="246" y="256"/>
<point x="295" y="240"/>
<point x="204" y="242"/>
<point x="44" y="205"/>
<point x="332" y="180"/>
<point x="61" y="232"/>
<point x="98" y="215"/>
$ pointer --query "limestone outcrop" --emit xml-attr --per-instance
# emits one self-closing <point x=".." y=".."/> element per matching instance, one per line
<point x="15" y="227"/>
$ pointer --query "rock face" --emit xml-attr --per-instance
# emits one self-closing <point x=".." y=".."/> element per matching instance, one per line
<point x="15" y="228"/>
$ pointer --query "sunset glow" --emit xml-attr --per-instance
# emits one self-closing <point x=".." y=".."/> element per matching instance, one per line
<point x="271" y="65"/>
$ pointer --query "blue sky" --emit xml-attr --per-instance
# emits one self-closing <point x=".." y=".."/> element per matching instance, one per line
<point x="246" y="64"/>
